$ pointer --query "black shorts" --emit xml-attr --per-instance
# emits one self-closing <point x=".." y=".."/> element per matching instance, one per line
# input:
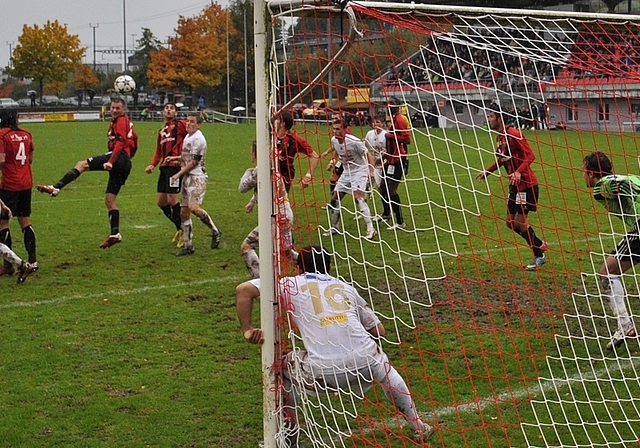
<point x="117" y="175"/>
<point x="164" y="180"/>
<point x="392" y="171"/>
<point x="523" y="202"/>
<point x="19" y="202"/>
<point x="629" y="247"/>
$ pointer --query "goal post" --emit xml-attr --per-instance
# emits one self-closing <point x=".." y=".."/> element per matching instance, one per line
<point x="492" y="354"/>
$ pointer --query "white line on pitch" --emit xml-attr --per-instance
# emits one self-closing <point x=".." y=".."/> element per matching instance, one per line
<point x="118" y="292"/>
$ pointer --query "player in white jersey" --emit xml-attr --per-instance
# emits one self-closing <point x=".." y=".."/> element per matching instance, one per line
<point x="194" y="184"/>
<point x="357" y="170"/>
<point x="249" y="182"/>
<point x="376" y="141"/>
<point x="340" y="334"/>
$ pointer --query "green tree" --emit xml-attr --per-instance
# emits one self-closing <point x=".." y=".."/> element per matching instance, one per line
<point x="196" y="57"/>
<point x="47" y="54"/>
<point x="242" y="17"/>
<point x="146" y="46"/>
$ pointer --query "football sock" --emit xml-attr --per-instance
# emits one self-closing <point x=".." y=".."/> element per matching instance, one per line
<point x="207" y="221"/>
<point x="114" y="221"/>
<point x="9" y="256"/>
<point x="614" y="290"/>
<point x="173" y="216"/>
<point x="176" y="216"/>
<point x="395" y="205"/>
<point x="69" y="177"/>
<point x="186" y="233"/>
<point x="366" y="213"/>
<point x="30" y="242"/>
<point x="5" y="238"/>
<point x="252" y="262"/>
<point x="386" y="207"/>
<point x="534" y="242"/>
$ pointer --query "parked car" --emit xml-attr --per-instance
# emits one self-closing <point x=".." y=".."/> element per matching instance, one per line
<point x="8" y="103"/>
<point x="26" y="102"/>
<point x="51" y="100"/>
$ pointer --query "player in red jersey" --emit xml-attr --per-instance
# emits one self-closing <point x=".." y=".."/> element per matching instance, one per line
<point x="16" y="155"/>
<point x="516" y="156"/>
<point x="122" y="145"/>
<point x="169" y="144"/>
<point x="288" y="145"/>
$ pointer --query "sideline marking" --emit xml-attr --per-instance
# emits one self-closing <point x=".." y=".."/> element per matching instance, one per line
<point x="117" y="292"/>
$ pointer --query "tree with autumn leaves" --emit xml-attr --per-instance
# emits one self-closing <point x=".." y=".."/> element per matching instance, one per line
<point x="197" y="54"/>
<point x="46" y="54"/>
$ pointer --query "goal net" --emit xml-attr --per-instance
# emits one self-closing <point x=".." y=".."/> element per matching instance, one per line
<point x="493" y="354"/>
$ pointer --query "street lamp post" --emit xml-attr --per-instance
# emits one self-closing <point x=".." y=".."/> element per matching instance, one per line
<point x="94" y="44"/>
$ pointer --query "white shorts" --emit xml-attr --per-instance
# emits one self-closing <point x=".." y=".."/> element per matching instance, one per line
<point x="353" y="179"/>
<point x="193" y="189"/>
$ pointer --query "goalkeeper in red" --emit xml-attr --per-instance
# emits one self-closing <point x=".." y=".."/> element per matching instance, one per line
<point x="620" y="195"/>
<point x="122" y="145"/>
<point x="516" y="156"/>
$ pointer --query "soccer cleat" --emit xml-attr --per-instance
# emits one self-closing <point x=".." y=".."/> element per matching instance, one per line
<point x="4" y="270"/>
<point x="215" y="239"/>
<point x="113" y="239"/>
<point x="178" y="239"/>
<point x="331" y="231"/>
<point x="535" y="263"/>
<point x="48" y="189"/>
<point x="379" y="218"/>
<point x="35" y="266"/>
<point x="618" y="338"/>
<point x="402" y="226"/>
<point x="423" y="433"/>
<point x="186" y="250"/>
<point x="25" y="269"/>
<point x="370" y="233"/>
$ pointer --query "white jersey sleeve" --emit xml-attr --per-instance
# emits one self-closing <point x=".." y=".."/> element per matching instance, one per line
<point x="249" y="180"/>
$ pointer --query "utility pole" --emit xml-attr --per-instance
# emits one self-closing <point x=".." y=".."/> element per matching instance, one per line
<point x="246" y="78"/>
<point x="124" y="33"/>
<point x="94" y="44"/>
<point x="10" y="53"/>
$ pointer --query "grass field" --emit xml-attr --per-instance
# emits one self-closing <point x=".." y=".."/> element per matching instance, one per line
<point x="132" y="346"/>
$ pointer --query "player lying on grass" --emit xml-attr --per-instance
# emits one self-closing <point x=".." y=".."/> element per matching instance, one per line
<point x="340" y="335"/>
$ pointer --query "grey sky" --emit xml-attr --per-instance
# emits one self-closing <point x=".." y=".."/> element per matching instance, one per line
<point x="160" y="16"/>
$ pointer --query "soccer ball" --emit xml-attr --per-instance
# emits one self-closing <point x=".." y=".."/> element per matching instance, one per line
<point x="124" y="84"/>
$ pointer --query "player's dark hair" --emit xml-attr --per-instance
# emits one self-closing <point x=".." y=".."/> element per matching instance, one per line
<point x="598" y="163"/>
<point x="314" y="260"/>
<point x="341" y="122"/>
<point x="254" y="149"/>
<point x="197" y="116"/>
<point x="495" y="108"/>
<point x="287" y="119"/>
<point x="8" y="118"/>
<point x="169" y="103"/>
